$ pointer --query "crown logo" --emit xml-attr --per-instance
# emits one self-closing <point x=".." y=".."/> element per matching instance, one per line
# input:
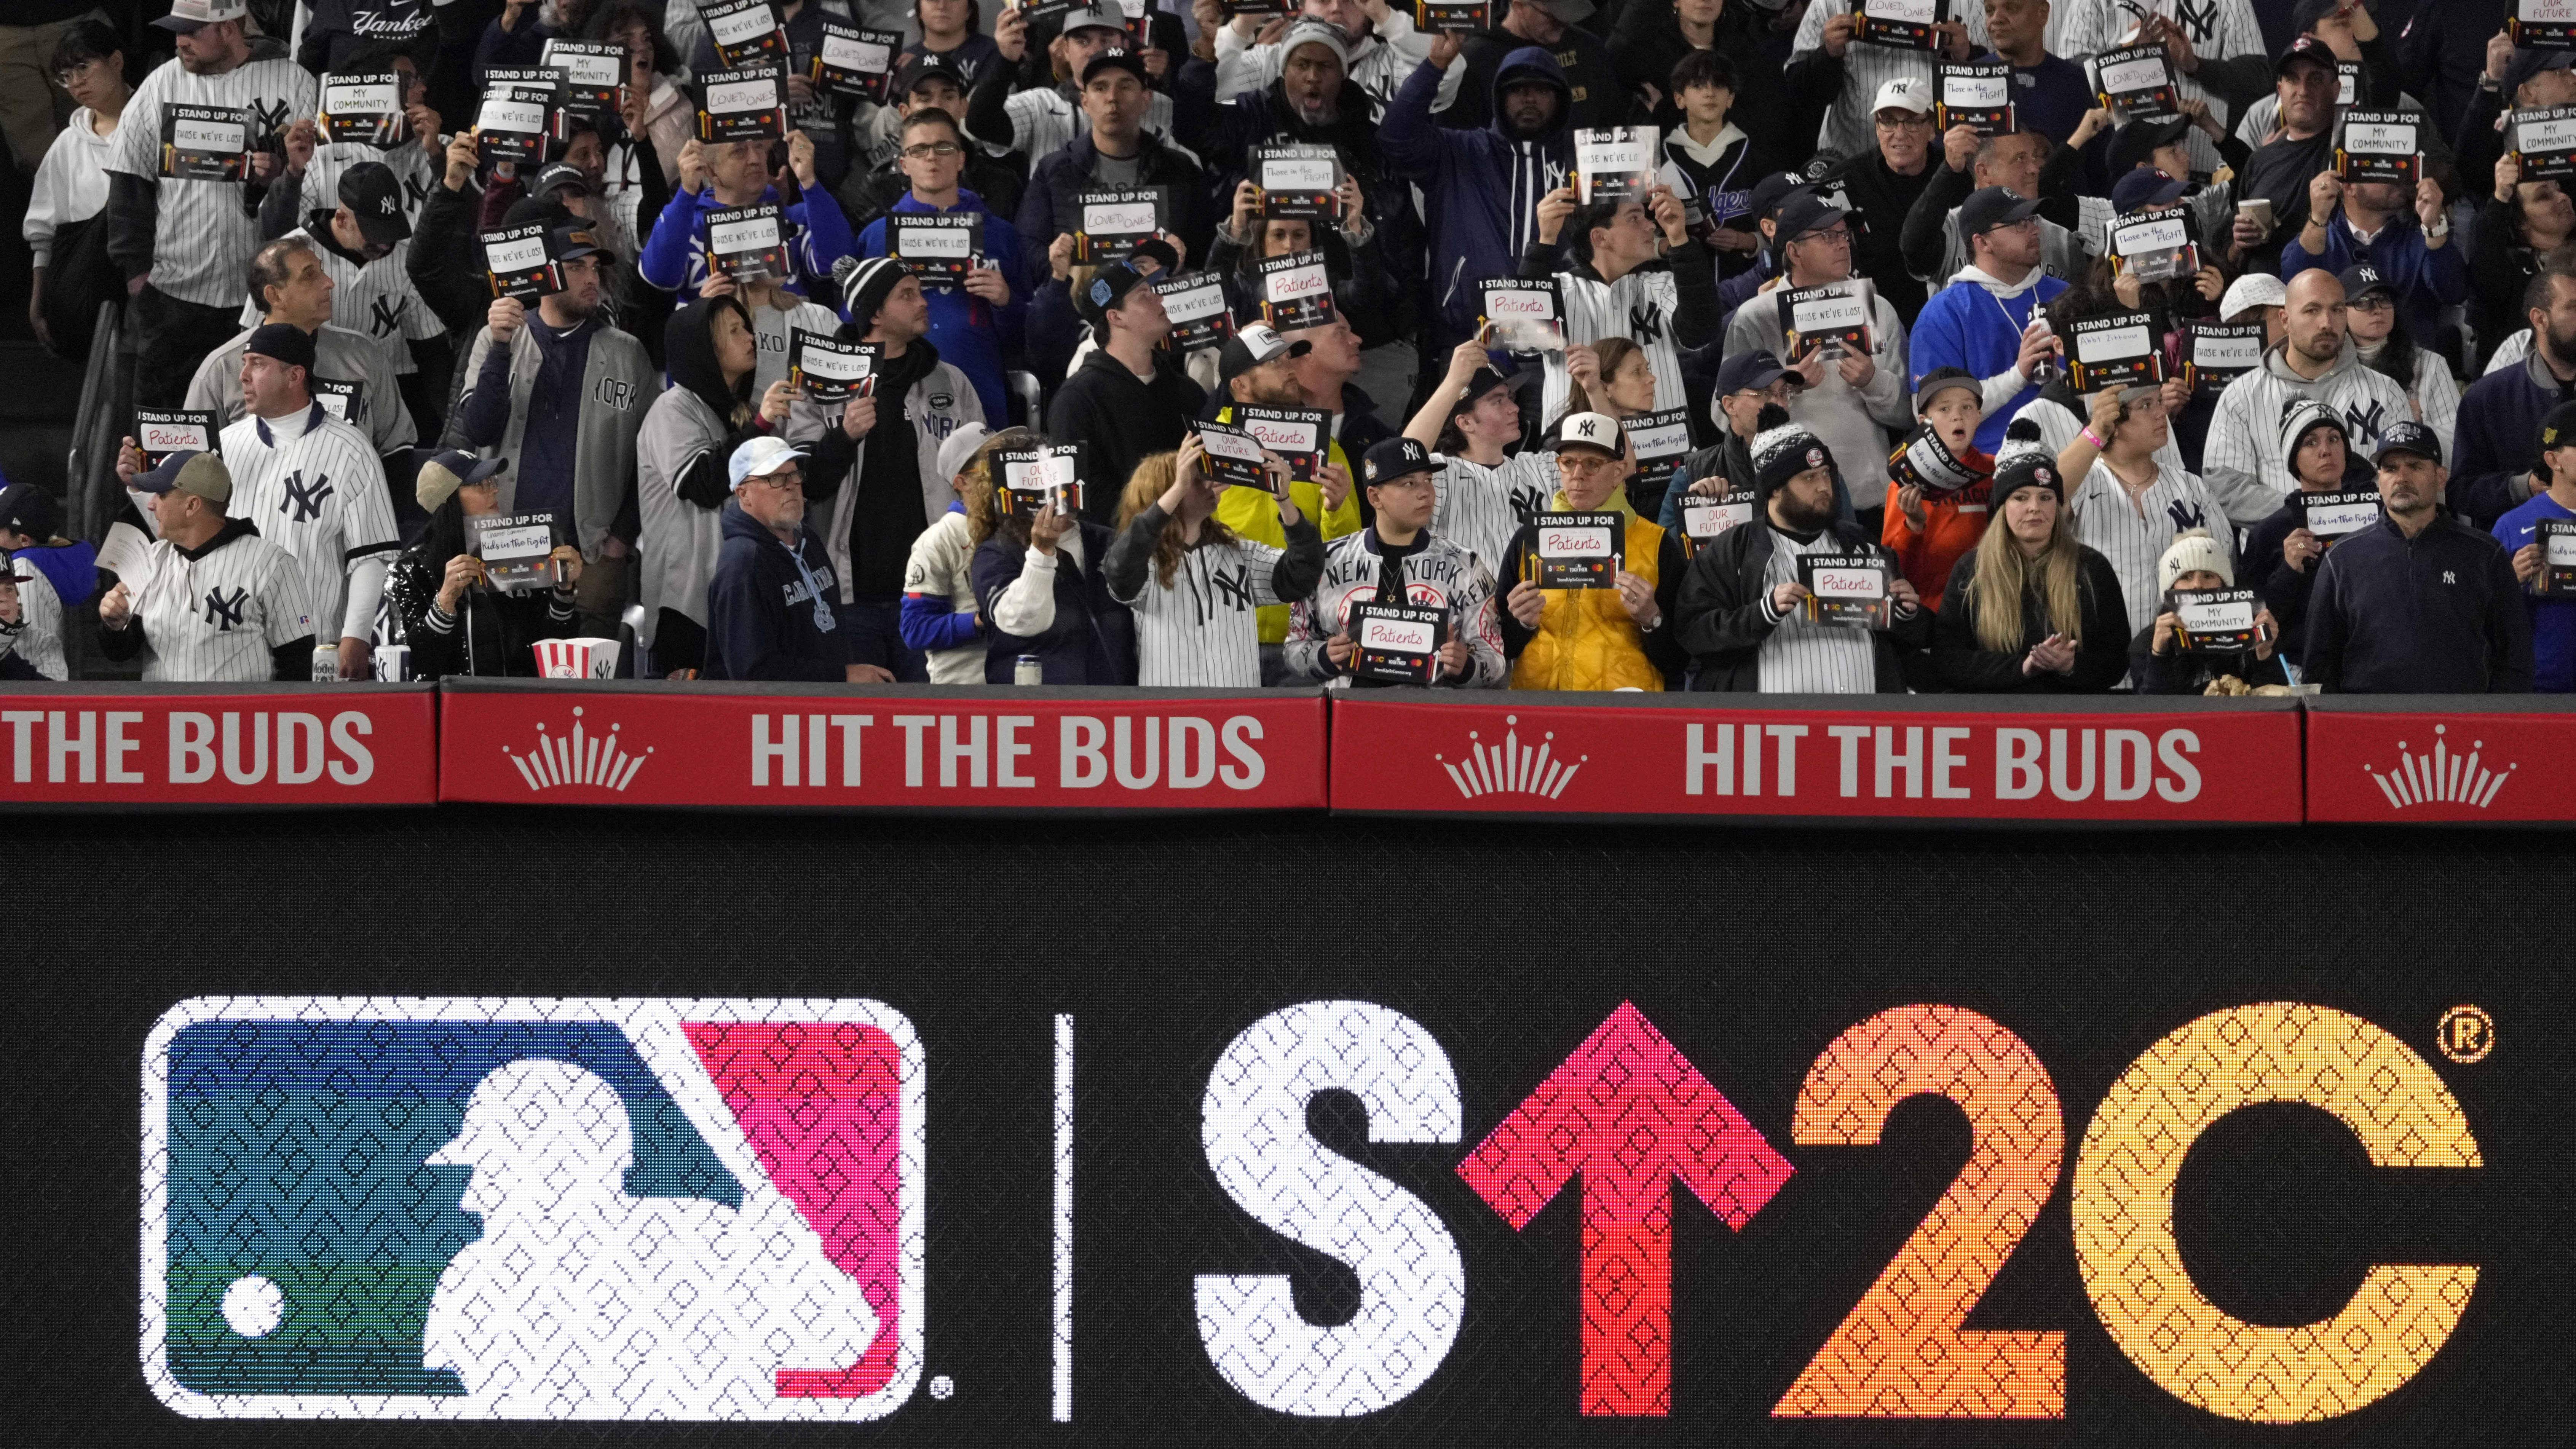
<point x="581" y="759"/>
<point x="1510" y="768"/>
<point x="2440" y="777"/>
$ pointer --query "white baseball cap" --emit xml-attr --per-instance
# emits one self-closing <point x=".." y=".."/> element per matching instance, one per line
<point x="761" y="457"/>
<point x="960" y="448"/>
<point x="1905" y="93"/>
<point x="186" y="15"/>
<point x="1591" y="430"/>
<point x="2254" y="289"/>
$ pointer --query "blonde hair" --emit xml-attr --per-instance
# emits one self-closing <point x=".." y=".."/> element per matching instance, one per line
<point x="983" y="518"/>
<point x="2005" y="576"/>
<point x="1152" y="478"/>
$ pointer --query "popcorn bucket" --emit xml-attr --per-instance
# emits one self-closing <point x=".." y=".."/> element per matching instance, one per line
<point x="576" y="658"/>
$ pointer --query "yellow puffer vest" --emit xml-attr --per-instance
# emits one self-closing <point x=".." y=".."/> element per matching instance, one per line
<point x="1586" y="639"/>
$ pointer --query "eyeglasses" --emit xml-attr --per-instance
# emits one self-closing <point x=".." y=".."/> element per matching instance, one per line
<point x="789" y="479"/>
<point x="1836" y="236"/>
<point x="1903" y="121"/>
<point x="928" y="149"/>
<point x="1584" y="463"/>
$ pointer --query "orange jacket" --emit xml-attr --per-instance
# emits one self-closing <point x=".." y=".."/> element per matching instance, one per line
<point x="1952" y="524"/>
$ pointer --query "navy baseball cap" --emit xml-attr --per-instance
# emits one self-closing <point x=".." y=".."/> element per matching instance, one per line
<point x="1109" y="286"/>
<point x="561" y="176"/>
<point x="1767" y="194"/>
<point x="2145" y="186"/>
<point x="2361" y="278"/>
<point x="28" y="509"/>
<point x="1484" y="380"/>
<point x="374" y="197"/>
<point x="1755" y="369"/>
<point x="2528" y="62"/>
<point x="283" y="341"/>
<point x="2135" y="144"/>
<point x="1804" y="213"/>
<point x="1117" y="59"/>
<point x="921" y="69"/>
<point x="2407" y="437"/>
<point x="1992" y="207"/>
<point x="1391" y="458"/>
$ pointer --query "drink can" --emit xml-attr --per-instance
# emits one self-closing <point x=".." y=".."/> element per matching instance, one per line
<point x="326" y="664"/>
<point x="1028" y="670"/>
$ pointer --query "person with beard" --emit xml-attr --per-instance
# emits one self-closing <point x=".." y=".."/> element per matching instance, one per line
<point x="769" y="607"/>
<point x="1483" y="186"/>
<point x="2281" y="169"/>
<point x="2280" y="553"/>
<point x="1259" y="367"/>
<point x="1481" y="496"/>
<point x="1740" y="618"/>
<point x="1936" y="240"/>
<point x="1117" y="149"/>
<point x="681" y="457"/>
<point x="1988" y="320"/>
<point x="878" y="461"/>
<point x="363" y="244"/>
<point x="2500" y="415"/>
<point x="2033" y="611"/>
<point x="454" y="620"/>
<point x="1629" y="269"/>
<point x="1595" y="96"/>
<point x="2516" y="231"/>
<point x="1748" y="383"/>
<point x="560" y="397"/>
<point x="976" y="323"/>
<point x="2372" y="319"/>
<point x="1401" y="558"/>
<point x="2420" y="602"/>
<point x="1881" y="185"/>
<point x="2241" y="460"/>
<point x="2403" y="233"/>
<point x="1594" y="639"/>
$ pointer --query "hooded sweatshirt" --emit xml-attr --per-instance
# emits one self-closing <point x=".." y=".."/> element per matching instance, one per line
<point x="970" y="332"/>
<point x="675" y="251"/>
<point x="2242" y="461"/>
<point x="1483" y="186"/>
<point x="769" y="607"/>
<point x="1976" y="323"/>
<point x="680" y="472"/>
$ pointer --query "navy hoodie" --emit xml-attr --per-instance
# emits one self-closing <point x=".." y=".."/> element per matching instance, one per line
<point x="762" y="618"/>
<point x="1483" y="186"/>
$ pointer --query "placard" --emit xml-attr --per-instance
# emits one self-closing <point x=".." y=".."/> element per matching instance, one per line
<point x="1973" y="95"/>
<point x="1461" y="17"/>
<point x="1836" y="313"/>
<point x="204" y="143"/>
<point x="748" y="241"/>
<point x="1296" y="290"/>
<point x="2544" y="137"/>
<point x="1924" y="461"/>
<point x="2557" y="540"/>
<point x="1522" y="314"/>
<point x="1302" y="437"/>
<point x="743" y="105"/>
<point x="1396" y="643"/>
<point x="2378" y="146"/>
<point x="1900" y="24"/>
<point x="160" y="432"/>
<point x="1258" y="8"/>
<point x="938" y="247"/>
<point x="1706" y="515"/>
<point x="1039" y="12"/>
<point x="1661" y="441"/>
<point x="2347" y="82"/>
<point x="594" y="74"/>
<point x="855" y="62"/>
<point x="1115" y="218"/>
<point x="1615" y="163"/>
<point x="2542" y="24"/>
<point x="1139" y="15"/>
<point x="364" y="106"/>
<point x="2334" y="517"/>
<point x="1298" y="183"/>
<point x="2138" y="82"/>
<point x="827" y="369"/>
<point x="343" y="400"/>
<point x="2120" y="348"/>
<point x="1575" y="550"/>
<point x="519" y="114"/>
<point x="2217" y="353"/>
<point x="1846" y="589"/>
<point x="1233" y="455"/>
<point x="516" y="549"/>
<point x="2214" y="621"/>
<point x="1031" y="478"/>
<point x="745" y="32"/>
<point x="1195" y="304"/>
<point x="2155" y="246"/>
<point x="519" y="262"/>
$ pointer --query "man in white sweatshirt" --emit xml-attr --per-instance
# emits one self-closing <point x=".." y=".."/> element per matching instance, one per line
<point x="2242" y="461"/>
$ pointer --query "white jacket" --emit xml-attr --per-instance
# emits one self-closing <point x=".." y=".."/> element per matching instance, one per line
<point x="940" y="565"/>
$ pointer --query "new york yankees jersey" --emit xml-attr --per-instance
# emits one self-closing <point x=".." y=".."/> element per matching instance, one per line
<point x="410" y="162"/>
<point x="339" y="355"/>
<point x="773" y="329"/>
<point x="1202" y="629"/>
<point x="1640" y="307"/>
<point x="1438" y="575"/>
<point x="214" y="615"/>
<point x="376" y="298"/>
<point x="1848" y="128"/>
<point x="314" y="486"/>
<point x="2217" y="30"/>
<point x="1805" y="656"/>
<point x="1483" y="509"/>
<point x="204" y="234"/>
<point x="2242" y="459"/>
<point x="2134" y="536"/>
<point x="40" y="626"/>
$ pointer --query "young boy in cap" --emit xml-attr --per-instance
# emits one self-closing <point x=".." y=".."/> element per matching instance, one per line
<point x="1593" y="639"/>
<point x="2553" y="617"/>
<point x="1931" y="531"/>
<point x="215" y="602"/>
<point x="769" y="608"/>
<point x="1400" y="558"/>
<point x="2157" y="664"/>
<point x="1484" y="495"/>
<point x="30" y="522"/>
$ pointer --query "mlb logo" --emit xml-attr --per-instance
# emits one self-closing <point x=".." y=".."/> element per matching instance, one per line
<point x="503" y="1208"/>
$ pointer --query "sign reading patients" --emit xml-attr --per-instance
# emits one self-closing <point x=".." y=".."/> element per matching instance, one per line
<point x="506" y="1209"/>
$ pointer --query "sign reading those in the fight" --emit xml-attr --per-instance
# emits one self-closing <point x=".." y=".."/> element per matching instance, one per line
<point x="519" y="115"/>
<point x="2138" y="82"/>
<point x="519" y="261"/>
<point x="2333" y="517"/>
<point x="2217" y="353"/>
<point x="747" y="241"/>
<point x="2215" y="621"/>
<point x="161" y="432"/>
<point x="2119" y="348"/>
<point x="1846" y="589"/>
<point x="204" y="143"/>
<point x="342" y="399"/>
<point x="1523" y="314"/>
<point x="1706" y="515"/>
<point x="938" y="246"/>
<point x="1661" y="441"/>
<point x="1116" y="218"/>
<point x="855" y="62"/>
<point x="1463" y="17"/>
<point x="827" y="369"/>
<point x="2544" y="137"/>
<point x="743" y="105"/>
<point x="1575" y="550"/>
<point x="1900" y="24"/>
<point x="1298" y="182"/>
<point x="2557" y="540"/>
<point x="2542" y="25"/>
<point x="1615" y="163"/>
<point x="1195" y="305"/>
<point x="2155" y="246"/>
<point x="1973" y="95"/>
<point x="362" y="106"/>
<point x="1397" y="643"/>
<point x="1233" y="455"/>
<point x="594" y="73"/>
<point x="1302" y="437"/>
<point x="2378" y="146"/>
<point x="517" y="551"/>
<point x="1834" y="315"/>
<point x="1032" y="478"/>
<point x="1927" y="463"/>
<point x="745" y="32"/>
<point x="1296" y="291"/>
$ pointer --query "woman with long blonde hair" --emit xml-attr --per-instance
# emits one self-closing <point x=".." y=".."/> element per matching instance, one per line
<point x="1193" y="582"/>
<point x="2031" y="611"/>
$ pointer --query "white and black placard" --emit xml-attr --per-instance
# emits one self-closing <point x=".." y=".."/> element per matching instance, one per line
<point x="827" y="369"/>
<point x="1397" y="643"/>
<point x="2544" y="137"/>
<point x="1302" y="437"/>
<point x="1296" y="290"/>
<point x="2119" y="348"/>
<point x="1661" y="441"/>
<point x="1706" y="515"/>
<point x="1846" y="589"/>
<point x="2155" y="246"/>
<point x="742" y="105"/>
<point x="936" y="246"/>
<point x="1615" y="163"/>
<point x="1523" y="314"/>
<point x="594" y="74"/>
<point x="1836" y="312"/>
<point x="2542" y="24"/>
<point x="1195" y="304"/>
<point x="855" y="62"/>
<point x="1576" y="550"/>
<point x="1298" y="182"/>
<point x="748" y="241"/>
<point x="1900" y="24"/>
<point x="519" y="117"/>
<point x="2138" y="82"/>
<point x="1973" y="95"/>
<point x="1927" y="463"/>
<point x="1233" y="455"/>
<point x="2217" y="353"/>
<point x="161" y="432"/>
<point x="2557" y="540"/>
<point x="2214" y="621"/>
<point x="2379" y="146"/>
<point x="2347" y="83"/>
<point x="1115" y="218"/>
<point x="2333" y="517"/>
<point x="1031" y="478"/>
<point x="362" y="106"/>
<point x="341" y="399"/>
<point x="520" y="262"/>
<point x="745" y="32"/>
<point x="516" y="549"/>
<point x="204" y="143"/>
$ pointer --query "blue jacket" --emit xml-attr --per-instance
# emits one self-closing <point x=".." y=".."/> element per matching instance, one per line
<point x="765" y="615"/>
<point x="1482" y="186"/>
<point x="2496" y="438"/>
<point x="2439" y="613"/>
<point x="2553" y="620"/>
<point x="1964" y="325"/>
<point x="1092" y="639"/>
<point x="965" y="328"/>
<point x="675" y="254"/>
<point x="2427" y="279"/>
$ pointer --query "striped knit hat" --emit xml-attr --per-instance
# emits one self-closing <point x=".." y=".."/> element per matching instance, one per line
<point x="2302" y="417"/>
<point x="1782" y="450"/>
<point x="2025" y="462"/>
<point x="865" y="283"/>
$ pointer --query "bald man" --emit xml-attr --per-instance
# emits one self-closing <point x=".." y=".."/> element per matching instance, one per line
<point x="2243" y="463"/>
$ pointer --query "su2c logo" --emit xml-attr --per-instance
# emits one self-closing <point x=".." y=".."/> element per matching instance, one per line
<point x="1630" y="1116"/>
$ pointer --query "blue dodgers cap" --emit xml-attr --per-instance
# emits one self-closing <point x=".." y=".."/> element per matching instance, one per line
<point x="761" y="457"/>
<point x="1391" y="458"/>
<point x="2407" y="437"/>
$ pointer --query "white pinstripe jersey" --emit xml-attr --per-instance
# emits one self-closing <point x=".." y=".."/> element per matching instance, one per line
<point x="1482" y="509"/>
<point x="1639" y="306"/>
<point x="1848" y="130"/>
<point x="414" y="167"/>
<point x="1043" y="122"/>
<point x="2217" y="30"/>
<point x="377" y="299"/>
<point x="320" y="495"/>
<point x="1202" y="629"/>
<point x="40" y="635"/>
<point x="1441" y="575"/>
<point x="1803" y="656"/>
<point x="2244" y="443"/>
<point x="204" y="235"/>
<point x="2134" y="537"/>
<point x="214" y="618"/>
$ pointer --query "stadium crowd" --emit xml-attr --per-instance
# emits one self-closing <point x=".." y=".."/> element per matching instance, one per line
<point x="1761" y="345"/>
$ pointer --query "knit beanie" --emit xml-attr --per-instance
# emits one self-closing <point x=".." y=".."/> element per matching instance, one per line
<point x="2192" y="549"/>
<point x="2302" y="417"/>
<point x="865" y="284"/>
<point x="1782" y="450"/>
<point x="2025" y="462"/>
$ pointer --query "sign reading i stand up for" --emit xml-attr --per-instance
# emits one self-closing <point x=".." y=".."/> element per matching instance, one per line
<point x="2120" y="348"/>
<point x="594" y="73"/>
<point x="1397" y="643"/>
<point x="1576" y="550"/>
<point x="520" y="262"/>
<point x="2334" y="517"/>
<point x="1195" y="304"/>
<point x="2218" y="353"/>
<point x="364" y="106"/>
